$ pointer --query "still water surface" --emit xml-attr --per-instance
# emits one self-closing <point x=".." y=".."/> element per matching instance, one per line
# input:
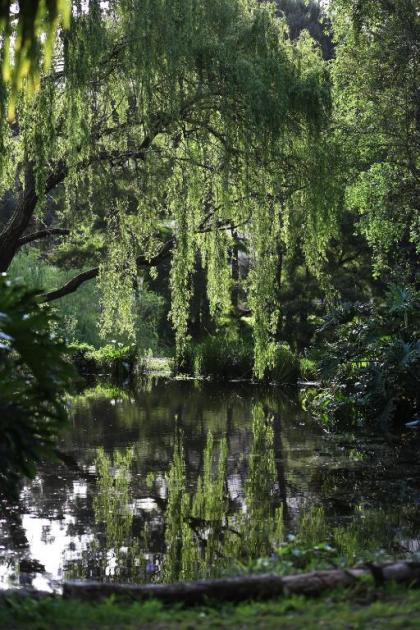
<point x="181" y="479"/>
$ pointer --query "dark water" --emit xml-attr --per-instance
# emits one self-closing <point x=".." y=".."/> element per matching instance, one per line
<point x="179" y="480"/>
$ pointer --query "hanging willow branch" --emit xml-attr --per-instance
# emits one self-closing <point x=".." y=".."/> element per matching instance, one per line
<point x="141" y="261"/>
<point x="31" y="30"/>
<point x="72" y="285"/>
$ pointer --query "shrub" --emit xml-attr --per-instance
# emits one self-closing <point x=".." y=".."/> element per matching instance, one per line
<point x="370" y="359"/>
<point x="219" y="356"/>
<point x="34" y="377"/>
<point x="224" y="356"/>
<point x="285" y="366"/>
<point x="308" y="368"/>
<point x="114" y="358"/>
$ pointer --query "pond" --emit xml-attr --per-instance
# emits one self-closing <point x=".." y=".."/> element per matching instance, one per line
<point x="185" y="479"/>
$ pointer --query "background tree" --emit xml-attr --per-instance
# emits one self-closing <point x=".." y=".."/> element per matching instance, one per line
<point x="376" y="78"/>
<point x="310" y="16"/>
<point x="369" y="351"/>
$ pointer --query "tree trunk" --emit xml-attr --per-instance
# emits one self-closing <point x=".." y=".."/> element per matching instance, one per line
<point x="244" y="588"/>
<point x="19" y="220"/>
<point x="22" y="214"/>
<point x="235" y="271"/>
<point x="200" y="322"/>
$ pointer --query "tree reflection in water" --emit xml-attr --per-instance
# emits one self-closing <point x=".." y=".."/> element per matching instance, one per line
<point x="205" y="533"/>
<point x="198" y="479"/>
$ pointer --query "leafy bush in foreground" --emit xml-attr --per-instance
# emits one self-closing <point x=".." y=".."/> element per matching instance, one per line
<point x="33" y="378"/>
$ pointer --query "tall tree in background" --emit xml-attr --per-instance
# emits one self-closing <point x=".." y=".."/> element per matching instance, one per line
<point x="370" y="349"/>
<point x="377" y="110"/>
<point x="301" y="15"/>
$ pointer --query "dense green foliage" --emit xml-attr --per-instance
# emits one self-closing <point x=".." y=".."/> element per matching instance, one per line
<point x="371" y="359"/>
<point x="229" y="355"/>
<point x="33" y="379"/>
<point x="375" y="79"/>
<point x="114" y="359"/>
<point x="219" y="356"/>
<point x="369" y="364"/>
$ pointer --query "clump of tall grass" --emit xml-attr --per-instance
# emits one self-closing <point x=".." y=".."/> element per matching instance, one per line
<point x="223" y="356"/>
<point x="285" y="368"/>
<point x="220" y="357"/>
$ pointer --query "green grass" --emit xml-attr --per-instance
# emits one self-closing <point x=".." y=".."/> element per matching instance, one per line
<point x="366" y="607"/>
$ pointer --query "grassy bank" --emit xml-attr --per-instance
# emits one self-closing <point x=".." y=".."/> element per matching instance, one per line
<point x="364" y="607"/>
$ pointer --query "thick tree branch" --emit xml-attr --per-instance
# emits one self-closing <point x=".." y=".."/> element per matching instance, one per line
<point x="19" y="221"/>
<point x="12" y="233"/>
<point x="36" y="236"/>
<point x="142" y="261"/>
<point x="72" y="285"/>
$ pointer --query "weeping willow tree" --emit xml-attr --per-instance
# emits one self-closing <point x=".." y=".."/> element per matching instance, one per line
<point x="164" y="127"/>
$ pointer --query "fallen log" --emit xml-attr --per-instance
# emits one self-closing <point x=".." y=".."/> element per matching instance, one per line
<point x="243" y="588"/>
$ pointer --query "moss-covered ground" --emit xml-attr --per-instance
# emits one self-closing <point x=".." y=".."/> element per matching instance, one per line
<point x="391" y="607"/>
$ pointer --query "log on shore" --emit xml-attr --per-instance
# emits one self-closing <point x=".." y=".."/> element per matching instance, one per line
<point x="243" y="588"/>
